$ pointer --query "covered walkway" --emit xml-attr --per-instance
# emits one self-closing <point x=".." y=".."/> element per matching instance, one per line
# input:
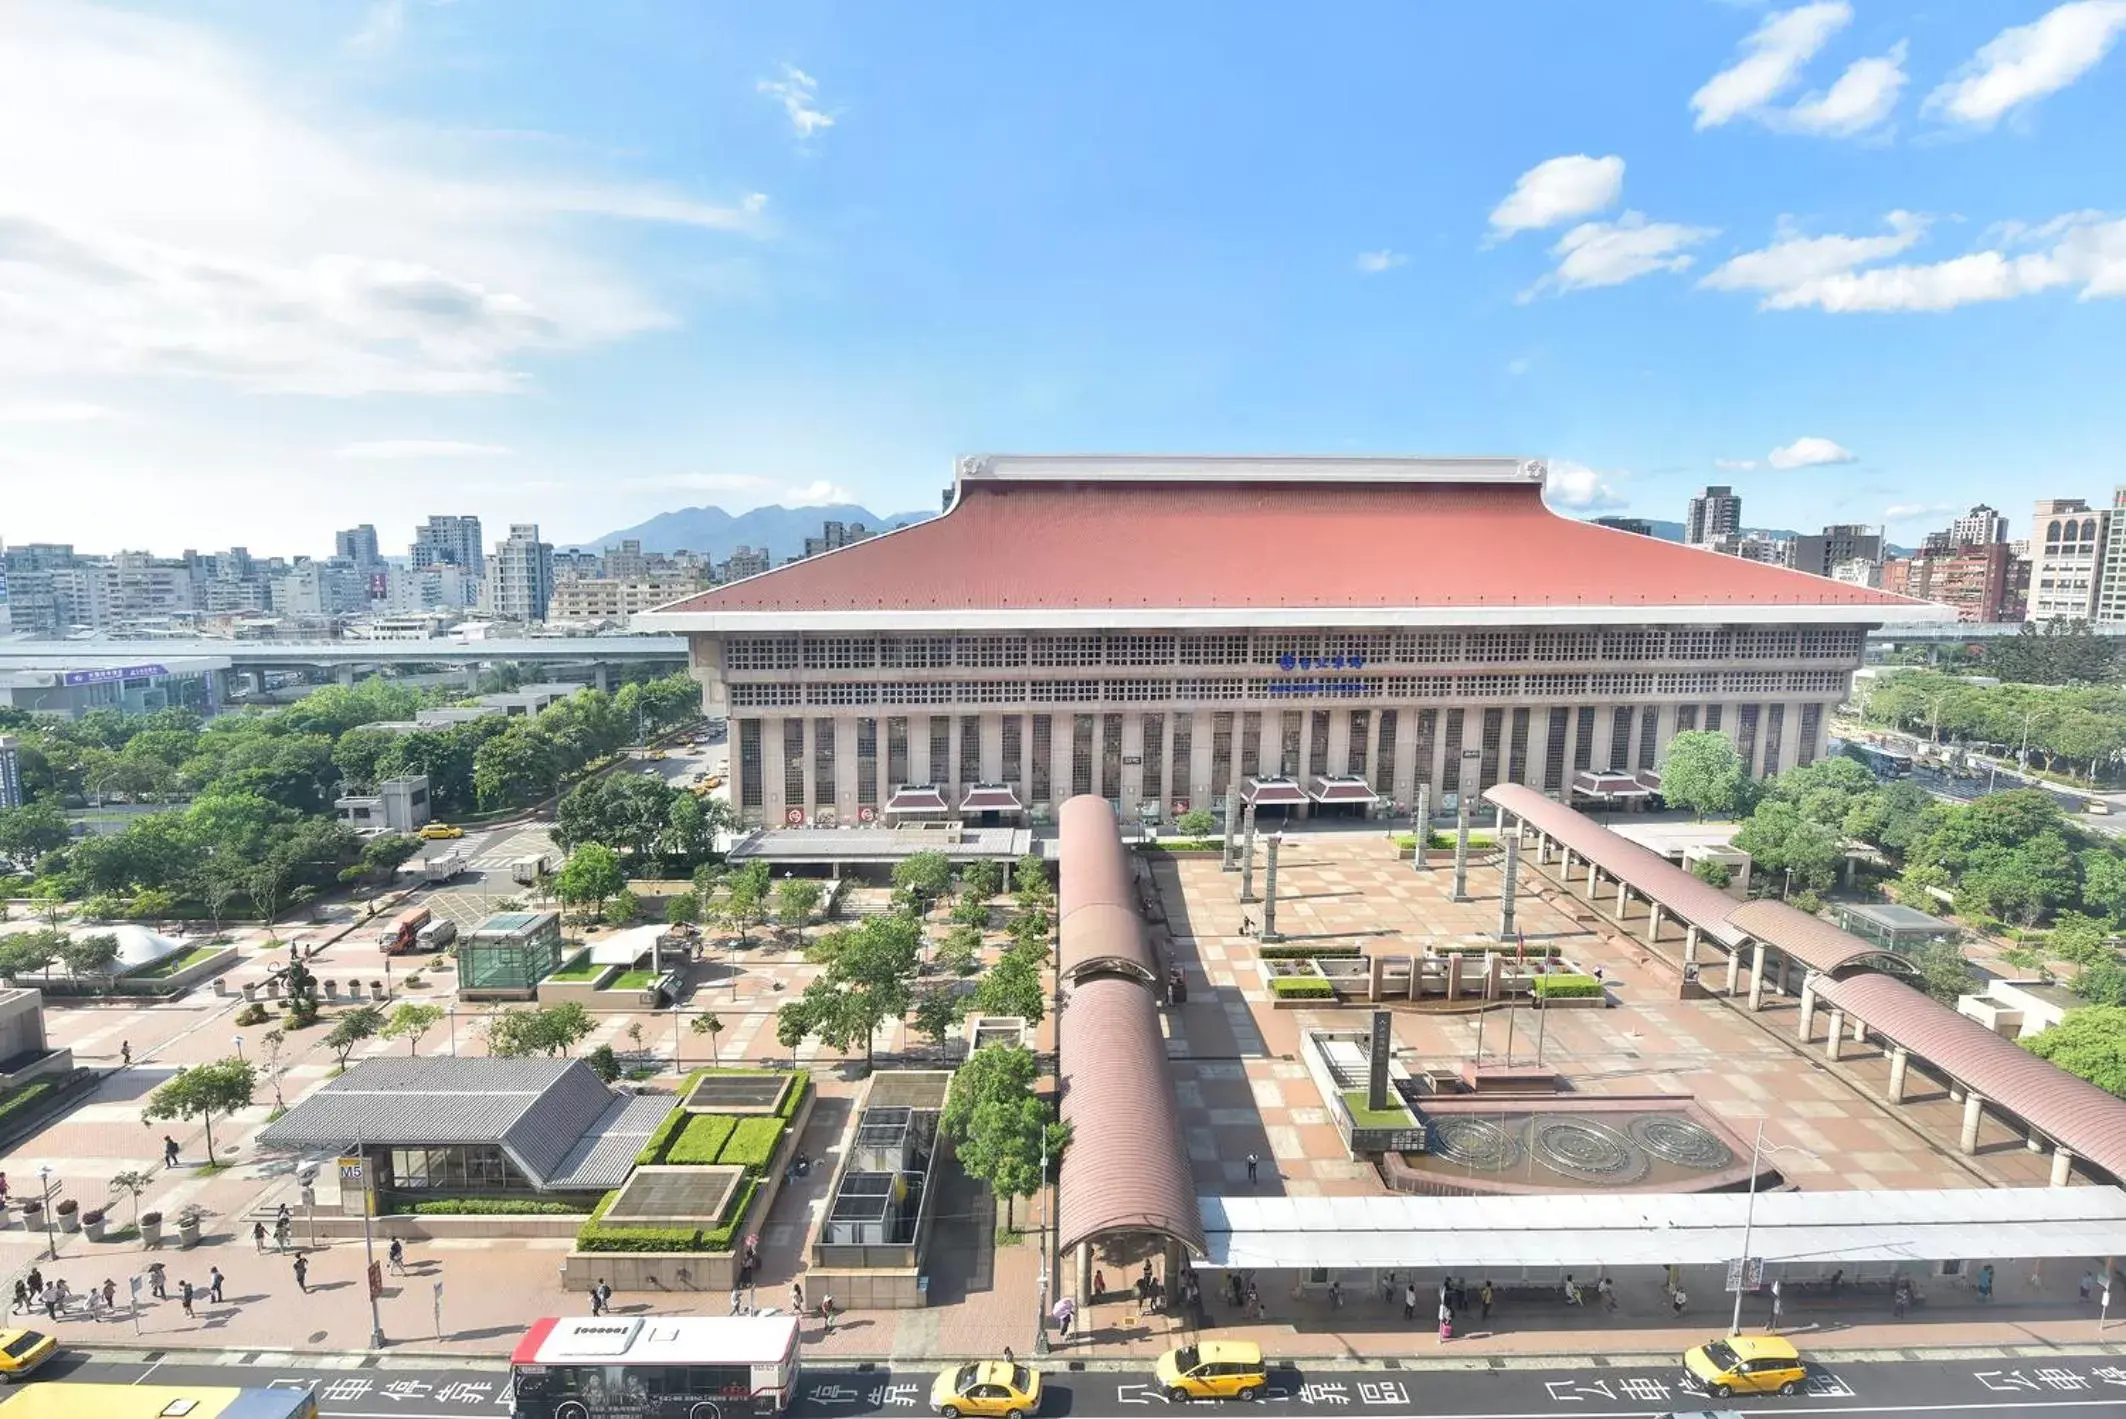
<point x="2079" y="1120"/>
<point x="1099" y="929"/>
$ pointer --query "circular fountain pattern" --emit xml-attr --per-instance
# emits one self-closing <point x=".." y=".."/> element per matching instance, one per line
<point x="1682" y="1141"/>
<point x="1582" y="1148"/>
<point x="1475" y="1143"/>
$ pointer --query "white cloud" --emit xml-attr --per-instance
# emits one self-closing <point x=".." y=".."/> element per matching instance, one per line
<point x="1776" y="52"/>
<point x="2026" y="62"/>
<point x="418" y="448"/>
<point x="1579" y="488"/>
<point x="58" y="411"/>
<point x="1737" y="465"/>
<point x="1559" y="190"/>
<point x="382" y="24"/>
<point x="199" y="222"/>
<point x="798" y="93"/>
<point x="1809" y="453"/>
<point x="1912" y="512"/>
<point x="1862" y="98"/>
<point x="1520" y="365"/>
<point x="1373" y="263"/>
<point x="817" y="492"/>
<point x="2081" y="250"/>
<point x="1611" y="253"/>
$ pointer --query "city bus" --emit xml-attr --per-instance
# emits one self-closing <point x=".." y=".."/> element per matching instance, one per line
<point x="655" y="1367"/>
<point x="1884" y="763"/>
<point x="67" y="1399"/>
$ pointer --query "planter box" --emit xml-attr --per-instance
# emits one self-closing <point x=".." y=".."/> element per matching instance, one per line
<point x="151" y="1229"/>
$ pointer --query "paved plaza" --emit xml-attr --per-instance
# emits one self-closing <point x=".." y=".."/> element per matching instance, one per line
<point x="1242" y="1091"/>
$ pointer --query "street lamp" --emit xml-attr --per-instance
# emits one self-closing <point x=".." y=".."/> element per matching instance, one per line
<point x="452" y="1012"/>
<point x="1749" y="1216"/>
<point x="51" y="1243"/>
<point x="239" y="1049"/>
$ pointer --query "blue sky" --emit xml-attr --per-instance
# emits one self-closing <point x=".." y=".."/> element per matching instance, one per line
<point x="276" y="269"/>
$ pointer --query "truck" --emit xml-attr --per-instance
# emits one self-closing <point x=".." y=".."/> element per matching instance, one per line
<point x="440" y="868"/>
<point x="527" y="870"/>
<point x="404" y="933"/>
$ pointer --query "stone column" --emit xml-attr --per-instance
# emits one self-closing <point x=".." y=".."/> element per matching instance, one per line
<point x="1594" y="883"/>
<point x="1085" y="1273"/>
<point x="2062" y="1166"/>
<point x="343" y="673"/>
<point x="1974" y="1109"/>
<point x="1623" y="900"/>
<point x="1860" y="1031"/>
<point x="1836" y="1038"/>
<point x="1269" y="887"/>
<point x="1494" y="975"/>
<point x="1734" y="971"/>
<point x="1757" y="976"/>
<point x="1229" y="853"/>
<point x="1247" y="855"/>
<point x="1653" y="921"/>
<point x="1461" y="847"/>
<point x="1498" y="820"/>
<point x="1806" y="1030"/>
<point x="1424" y="827"/>
<point x="1451" y="971"/>
<point x="1376" y="973"/>
<point x="1542" y="849"/>
<point x="1690" y="947"/>
<point x="1900" y="1059"/>
<point x="602" y="676"/>
<point x="1565" y="868"/>
<point x="1509" y="882"/>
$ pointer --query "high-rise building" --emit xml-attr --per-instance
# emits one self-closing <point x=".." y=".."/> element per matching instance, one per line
<point x="520" y="576"/>
<point x="1714" y="514"/>
<point x="2067" y="539"/>
<point x="1980" y="525"/>
<point x="357" y="545"/>
<point x="1819" y="553"/>
<point x="743" y="562"/>
<point x="10" y="773"/>
<point x="1972" y="581"/>
<point x="1753" y="547"/>
<point x="452" y="541"/>
<point x="1858" y="572"/>
<point x="626" y="562"/>
<point x="2111" y="568"/>
<point x="834" y="535"/>
<point x="1637" y="525"/>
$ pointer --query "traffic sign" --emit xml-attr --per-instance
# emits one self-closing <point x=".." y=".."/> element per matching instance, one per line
<point x="351" y="1171"/>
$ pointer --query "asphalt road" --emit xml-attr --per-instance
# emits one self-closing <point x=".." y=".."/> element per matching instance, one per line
<point x="1968" y="1388"/>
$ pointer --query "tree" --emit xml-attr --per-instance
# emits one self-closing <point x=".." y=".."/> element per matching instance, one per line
<point x="1943" y="971"/>
<point x="1781" y="841"/>
<point x="682" y="909"/>
<point x="382" y="855"/>
<point x="1712" y="872"/>
<point x="623" y="908"/>
<point x="351" y="1028"/>
<point x="27" y="951"/>
<point x="961" y="951"/>
<point x="604" y="1063"/>
<point x="132" y="1182"/>
<point x="273" y="1050"/>
<point x="1012" y="987"/>
<point x="201" y="1092"/>
<point x="869" y="971"/>
<point x="29" y="832"/>
<point x="626" y="811"/>
<point x="1030" y="933"/>
<point x="981" y="878"/>
<point x="1029" y="878"/>
<point x="2089" y="1043"/>
<point x="590" y="877"/>
<point x="89" y="956"/>
<point x="969" y="909"/>
<point x="998" y="1072"/>
<point x="49" y="900"/>
<point x="745" y="898"/>
<point x="518" y="765"/>
<point x="924" y="876"/>
<point x="268" y="884"/>
<point x="2081" y="940"/>
<point x="549" y="1030"/>
<point x="796" y="898"/>
<point x="410" y="1022"/>
<point x="998" y="1124"/>
<point x="938" y="1008"/>
<point x="1704" y="773"/>
<point x="1197" y="823"/>
<point x="2102" y="983"/>
<point x="708" y="1024"/>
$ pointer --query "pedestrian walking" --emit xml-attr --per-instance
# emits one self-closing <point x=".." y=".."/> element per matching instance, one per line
<point x="214" y="1280"/>
<point x="605" y="1297"/>
<point x="1985" y="1282"/>
<point x="797" y="1299"/>
<point x="1772" y="1321"/>
<point x="738" y="1302"/>
<point x="597" y="1298"/>
<point x="826" y="1312"/>
<point x="22" y="1298"/>
<point x="50" y="1297"/>
<point x="36" y="1280"/>
<point x="110" y="1294"/>
<point x="1900" y="1298"/>
<point x="1336" y="1295"/>
<point x="397" y="1256"/>
<point x="1251" y="1169"/>
<point x="283" y="1235"/>
<point x="258" y="1237"/>
<point x="125" y="1054"/>
<point x="1009" y="1357"/>
<point x="1608" y="1292"/>
<point x="1446" y="1323"/>
<point x="1065" y="1314"/>
<point x="302" y="1273"/>
<point x="184" y="1296"/>
<point x="1572" y="1291"/>
<point x="1676" y="1300"/>
<point x="1410" y="1301"/>
<point x="169" y="1151"/>
<point x="1099" y="1284"/>
<point x="1483" y="1298"/>
<point x="2087" y="1284"/>
<point x="158" y="1281"/>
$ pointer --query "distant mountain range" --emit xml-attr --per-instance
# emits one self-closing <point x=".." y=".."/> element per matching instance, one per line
<point x="1673" y="532"/>
<point x="714" y="532"/>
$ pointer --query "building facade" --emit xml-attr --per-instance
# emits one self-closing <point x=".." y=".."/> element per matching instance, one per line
<point x="1975" y="581"/>
<point x="611" y="600"/>
<point x="1820" y="554"/>
<point x="2067" y="539"/>
<point x="11" y="795"/>
<point x="1714" y="514"/>
<point x="451" y="540"/>
<point x="520" y="576"/>
<point x="2111" y="570"/>
<point x="1163" y="631"/>
<point x="1981" y="524"/>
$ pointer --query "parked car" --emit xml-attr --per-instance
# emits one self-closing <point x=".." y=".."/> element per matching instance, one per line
<point x="1215" y="1369"/>
<point x="1745" y="1364"/>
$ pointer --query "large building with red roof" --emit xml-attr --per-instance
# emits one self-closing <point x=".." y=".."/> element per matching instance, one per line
<point x="1162" y="631"/>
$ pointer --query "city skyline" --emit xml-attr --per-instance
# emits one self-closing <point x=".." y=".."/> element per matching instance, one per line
<point x="1853" y="261"/>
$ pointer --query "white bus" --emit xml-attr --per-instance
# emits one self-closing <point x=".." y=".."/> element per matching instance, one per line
<point x="655" y="1367"/>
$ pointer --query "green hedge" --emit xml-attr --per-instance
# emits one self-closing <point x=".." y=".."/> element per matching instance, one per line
<point x="1566" y="987"/>
<point x="491" y="1207"/>
<point x="594" y="1235"/>
<point x="661" y="1141"/>
<point x="14" y="1099"/>
<point x="1186" y="845"/>
<point x="702" y="1140"/>
<point x="752" y="1143"/>
<point x="1301" y="988"/>
<point x="793" y="1100"/>
<point x="1407" y="842"/>
<point x="1307" y="953"/>
<point x="725" y="1235"/>
<point x="1499" y="948"/>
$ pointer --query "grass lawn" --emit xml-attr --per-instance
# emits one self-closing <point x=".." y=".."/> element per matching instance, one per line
<point x="1394" y="1116"/>
<point x="634" y="980"/>
<point x="580" y="969"/>
<point x="171" y="965"/>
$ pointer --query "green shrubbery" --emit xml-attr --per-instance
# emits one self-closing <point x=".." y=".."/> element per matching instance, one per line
<point x="702" y="1140"/>
<point x="13" y="1100"/>
<point x="752" y="1142"/>
<point x="1186" y="845"/>
<point x="491" y="1207"/>
<point x="1301" y="988"/>
<point x="661" y="1139"/>
<point x="1566" y="987"/>
<point x="1498" y="948"/>
<point x="1308" y="953"/>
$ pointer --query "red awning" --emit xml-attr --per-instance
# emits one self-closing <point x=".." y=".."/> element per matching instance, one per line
<point x="1342" y="788"/>
<point x="1274" y="793"/>
<point x="917" y="798"/>
<point x="1649" y="779"/>
<point x="1595" y="785"/>
<point x="991" y="798"/>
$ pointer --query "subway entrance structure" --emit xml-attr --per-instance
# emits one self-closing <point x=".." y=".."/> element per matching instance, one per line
<point x="1162" y="632"/>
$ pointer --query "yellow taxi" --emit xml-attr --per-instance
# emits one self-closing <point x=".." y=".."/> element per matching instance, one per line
<point x="22" y="1351"/>
<point x="654" y="754"/>
<point x="435" y="831"/>
<point x="1215" y="1369"/>
<point x="1745" y="1364"/>
<point x="996" y="1389"/>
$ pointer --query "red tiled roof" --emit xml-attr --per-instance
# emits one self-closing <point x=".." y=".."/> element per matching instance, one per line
<point x="1341" y="790"/>
<point x="1153" y="545"/>
<point x="1808" y="939"/>
<point x="1273" y="793"/>
<point x="1127" y="1167"/>
<point x="991" y="798"/>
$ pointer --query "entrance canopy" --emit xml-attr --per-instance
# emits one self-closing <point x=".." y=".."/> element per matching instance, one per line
<point x="1274" y="793"/>
<point x="917" y="798"/>
<point x="1341" y="788"/>
<point x="1594" y="785"/>
<point x="991" y="798"/>
<point x="1593" y="1230"/>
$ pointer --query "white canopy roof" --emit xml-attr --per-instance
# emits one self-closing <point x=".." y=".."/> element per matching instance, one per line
<point x="138" y="946"/>
<point x="626" y="946"/>
<point x="1657" y="1229"/>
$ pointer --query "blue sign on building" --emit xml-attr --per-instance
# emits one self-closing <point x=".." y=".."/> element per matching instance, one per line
<point x="1321" y="662"/>
<point x="107" y="674"/>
